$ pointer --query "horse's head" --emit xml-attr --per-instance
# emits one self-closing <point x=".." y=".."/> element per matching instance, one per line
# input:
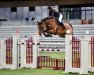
<point x="45" y="25"/>
<point x="41" y="27"/>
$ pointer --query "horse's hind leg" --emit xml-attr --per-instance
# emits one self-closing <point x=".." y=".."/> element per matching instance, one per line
<point x="50" y="35"/>
<point x="62" y="36"/>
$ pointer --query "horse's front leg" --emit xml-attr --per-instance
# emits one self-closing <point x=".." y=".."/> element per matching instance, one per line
<point x="46" y="34"/>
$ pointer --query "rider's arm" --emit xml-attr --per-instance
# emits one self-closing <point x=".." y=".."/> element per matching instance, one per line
<point x="50" y="14"/>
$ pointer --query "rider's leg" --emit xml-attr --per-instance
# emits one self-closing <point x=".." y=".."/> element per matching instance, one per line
<point x="60" y="19"/>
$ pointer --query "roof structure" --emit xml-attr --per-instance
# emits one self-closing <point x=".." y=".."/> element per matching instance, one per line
<point x="23" y="3"/>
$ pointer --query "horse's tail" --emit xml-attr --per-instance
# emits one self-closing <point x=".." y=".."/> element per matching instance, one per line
<point x="71" y="26"/>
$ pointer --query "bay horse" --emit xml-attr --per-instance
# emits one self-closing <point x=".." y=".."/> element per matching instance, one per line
<point x="49" y="26"/>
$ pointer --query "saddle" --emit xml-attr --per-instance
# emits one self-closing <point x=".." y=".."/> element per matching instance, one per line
<point x="60" y="24"/>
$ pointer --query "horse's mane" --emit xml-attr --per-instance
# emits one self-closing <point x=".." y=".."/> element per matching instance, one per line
<point x="43" y="20"/>
<point x="47" y="18"/>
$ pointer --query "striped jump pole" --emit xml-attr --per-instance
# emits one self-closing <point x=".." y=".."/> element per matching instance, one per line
<point x="51" y="44"/>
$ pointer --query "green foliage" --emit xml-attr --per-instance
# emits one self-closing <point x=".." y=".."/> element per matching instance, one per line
<point x="60" y="55"/>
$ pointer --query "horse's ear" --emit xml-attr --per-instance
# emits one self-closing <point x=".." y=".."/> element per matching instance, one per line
<point x="37" y="22"/>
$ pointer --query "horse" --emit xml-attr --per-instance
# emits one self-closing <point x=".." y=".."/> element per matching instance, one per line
<point x="49" y="26"/>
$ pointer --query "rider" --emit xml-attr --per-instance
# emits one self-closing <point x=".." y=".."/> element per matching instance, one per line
<point x="57" y="15"/>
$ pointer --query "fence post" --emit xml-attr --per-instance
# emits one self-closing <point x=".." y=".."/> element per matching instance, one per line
<point x="56" y="67"/>
<point x="2" y="54"/>
<point x="35" y="50"/>
<point x="68" y="53"/>
<point x="88" y="38"/>
<point x="38" y="62"/>
<point x="64" y="64"/>
<point x="22" y="52"/>
<point x="84" y="56"/>
<point x="15" y="52"/>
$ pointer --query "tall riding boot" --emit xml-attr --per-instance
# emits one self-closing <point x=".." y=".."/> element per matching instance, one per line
<point x="61" y="24"/>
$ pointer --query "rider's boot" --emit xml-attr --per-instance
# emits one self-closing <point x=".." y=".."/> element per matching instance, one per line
<point x="61" y="24"/>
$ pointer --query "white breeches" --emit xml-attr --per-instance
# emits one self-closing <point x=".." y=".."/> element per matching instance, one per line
<point x="60" y="18"/>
